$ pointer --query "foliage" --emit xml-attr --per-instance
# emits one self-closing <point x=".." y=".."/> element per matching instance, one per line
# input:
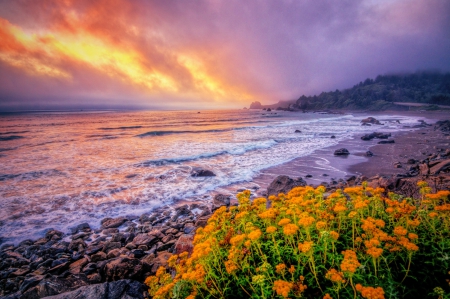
<point x="355" y="243"/>
<point x="379" y="94"/>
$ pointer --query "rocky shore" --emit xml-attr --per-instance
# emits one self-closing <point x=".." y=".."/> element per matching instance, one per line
<point x="114" y="260"/>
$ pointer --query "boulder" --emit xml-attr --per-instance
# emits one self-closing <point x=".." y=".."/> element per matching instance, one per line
<point x="199" y="172"/>
<point x="184" y="244"/>
<point x="284" y="184"/>
<point x="256" y="105"/>
<point x="440" y="167"/>
<point x="332" y="137"/>
<point x="370" y="120"/>
<point x="220" y="200"/>
<point x="121" y="289"/>
<point x="297" y="131"/>
<point x="145" y="239"/>
<point x="122" y="268"/>
<point x="113" y="222"/>
<point x="369" y="154"/>
<point x="341" y="152"/>
<point x="160" y="260"/>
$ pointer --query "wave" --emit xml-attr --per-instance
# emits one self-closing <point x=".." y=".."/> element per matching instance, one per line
<point x="15" y="132"/>
<point x="122" y="128"/>
<point x="237" y="151"/>
<point x="12" y="137"/>
<point x="26" y="176"/>
<point x="163" y="133"/>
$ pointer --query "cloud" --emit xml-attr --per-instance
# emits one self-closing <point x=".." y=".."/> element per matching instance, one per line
<point x="209" y="54"/>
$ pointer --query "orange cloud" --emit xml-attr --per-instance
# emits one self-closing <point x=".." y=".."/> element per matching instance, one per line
<point x="102" y="36"/>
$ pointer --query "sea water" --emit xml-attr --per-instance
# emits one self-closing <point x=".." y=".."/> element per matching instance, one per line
<point x="59" y="169"/>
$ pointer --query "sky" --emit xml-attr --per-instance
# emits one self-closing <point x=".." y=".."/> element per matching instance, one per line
<point x="208" y="54"/>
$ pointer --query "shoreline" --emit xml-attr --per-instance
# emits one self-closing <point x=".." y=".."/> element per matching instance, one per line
<point x="133" y="247"/>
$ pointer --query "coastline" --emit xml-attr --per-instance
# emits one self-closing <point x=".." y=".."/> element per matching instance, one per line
<point x="133" y="247"/>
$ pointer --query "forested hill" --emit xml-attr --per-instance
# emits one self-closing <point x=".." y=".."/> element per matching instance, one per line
<point x="381" y="93"/>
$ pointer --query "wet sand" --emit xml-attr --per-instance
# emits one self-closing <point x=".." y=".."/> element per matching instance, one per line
<point x="324" y="166"/>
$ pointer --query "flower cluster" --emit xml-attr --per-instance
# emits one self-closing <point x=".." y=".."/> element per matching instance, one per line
<point x="352" y="243"/>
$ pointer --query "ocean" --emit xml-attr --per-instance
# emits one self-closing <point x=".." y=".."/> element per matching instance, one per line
<point x="59" y="169"/>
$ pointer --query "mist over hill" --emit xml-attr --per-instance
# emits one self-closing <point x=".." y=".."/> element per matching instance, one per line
<point x="385" y="92"/>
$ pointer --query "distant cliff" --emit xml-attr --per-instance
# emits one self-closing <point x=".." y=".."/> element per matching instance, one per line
<point x="387" y="92"/>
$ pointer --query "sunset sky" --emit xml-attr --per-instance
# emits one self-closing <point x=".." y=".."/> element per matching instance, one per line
<point x="209" y="54"/>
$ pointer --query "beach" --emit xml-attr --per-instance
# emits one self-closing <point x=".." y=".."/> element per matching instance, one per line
<point x="134" y="246"/>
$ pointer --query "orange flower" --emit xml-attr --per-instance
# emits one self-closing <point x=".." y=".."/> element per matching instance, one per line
<point x="334" y="235"/>
<point x="291" y="269"/>
<point x="321" y="224"/>
<point x="254" y="235"/>
<point x="327" y="296"/>
<point x="271" y="229"/>
<point x="230" y="266"/>
<point x="350" y="262"/>
<point x="290" y="229"/>
<point x="280" y="268"/>
<point x="305" y="247"/>
<point x="400" y="231"/>
<point x="282" y="288"/>
<point x="370" y="292"/>
<point x="374" y="252"/>
<point x="284" y="221"/>
<point x="335" y="276"/>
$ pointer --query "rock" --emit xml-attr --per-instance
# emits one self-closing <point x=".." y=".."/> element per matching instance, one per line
<point x="332" y="137"/>
<point x="220" y="200"/>
<point x="93" y="249"/>
<point x="284" y="184"/>
<point x="397" y="165"/>
<point x="199" y="172"/>
<point x="297" y="131"/>
<point x="411" y="161"/>
<point x="110" y="246"/>
<point x="122" y="268"/>
<point x="166" y="246"/>
<point x="113" y="253"/>
<point x="440" y="167"/>
<point x="80" y="227"/>
<point x="386" y="141"/>
<point x="113" y="222"/>
<point x="308" y="176"/>
<point x="370" y="120"/>
<point x="110" y="231"/>
<point x="121" y="289"/>
<point x="341" y="152"/>
<point x="145" y="239"/>
<point x="160" y="260"/>
<point x="188" y="229"/>
<point x="30" y="282"/>
<point x="53" y="286"/>
<point x="184" y="244"/>
<point x="75" y="268"/>
<point x="369" y="154"/>
<point x="99" y="256"/>
<point x="202" y="221"/>
<point x="256" y="105"/>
